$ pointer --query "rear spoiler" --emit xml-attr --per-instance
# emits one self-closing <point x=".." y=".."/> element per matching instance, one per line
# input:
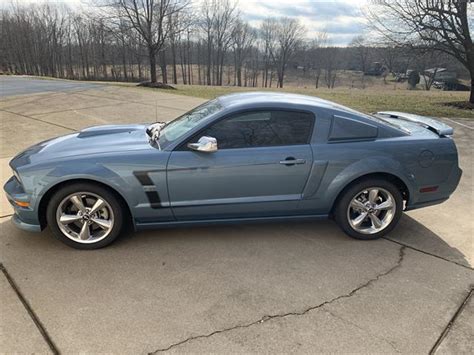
<point x="433" y="125"/>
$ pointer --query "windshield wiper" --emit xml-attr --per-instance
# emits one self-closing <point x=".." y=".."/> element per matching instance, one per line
<point x="153" y="131"/>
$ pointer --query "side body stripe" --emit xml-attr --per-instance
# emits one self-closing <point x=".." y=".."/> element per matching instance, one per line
<point x="149" y="188"/>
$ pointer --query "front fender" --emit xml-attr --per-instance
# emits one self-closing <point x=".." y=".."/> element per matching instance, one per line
<point x="58" y="174"/>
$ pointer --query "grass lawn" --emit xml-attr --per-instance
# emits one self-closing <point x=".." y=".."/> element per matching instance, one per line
<point x="421" y="102"/>
<point x="372" y="99"/>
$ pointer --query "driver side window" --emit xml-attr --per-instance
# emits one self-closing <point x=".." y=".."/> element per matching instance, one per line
<point x="261" y="129"/>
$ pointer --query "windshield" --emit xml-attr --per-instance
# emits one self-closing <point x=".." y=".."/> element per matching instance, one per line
<point x="183" y="124"/>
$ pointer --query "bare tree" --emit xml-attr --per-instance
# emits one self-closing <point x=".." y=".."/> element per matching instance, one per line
<point x="207" y="23"/>
<point x="330" y="61"/>
<point x="82" y="36"/>
<point x="150" y="18"/>
<point x="268" y="38"/>
<point x="210" y="45"/>
<point x="52" y="40"/>
<point x="362" y="52"/>
<point x="362" y="55"/>
<point x="289" y="34"/>
<point x="393" y="57"/>
<point x="225" y="16"/>
<point x="217" y="19"/>
<point x="316" y="55"/>
<point x="440" y="25"/>
<point x="243" y="38"/>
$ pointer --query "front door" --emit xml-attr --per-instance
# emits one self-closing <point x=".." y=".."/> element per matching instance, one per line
<point x="260" y="168"/>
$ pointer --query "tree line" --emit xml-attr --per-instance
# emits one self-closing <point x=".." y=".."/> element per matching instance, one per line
<point x="176" y="41"/>
<point x="130" y="39"/>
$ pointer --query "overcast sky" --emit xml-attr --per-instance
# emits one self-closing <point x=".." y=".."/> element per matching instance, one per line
<point x="341" y="19"/>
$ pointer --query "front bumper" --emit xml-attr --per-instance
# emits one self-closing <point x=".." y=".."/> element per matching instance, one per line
<point x="25" y="226"/>
<point x="25" y="218"/>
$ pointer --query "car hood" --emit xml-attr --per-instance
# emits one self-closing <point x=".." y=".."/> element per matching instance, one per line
<point x="89" y="141"/>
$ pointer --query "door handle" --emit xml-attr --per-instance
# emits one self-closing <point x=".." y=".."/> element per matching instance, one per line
<point x="292" y="161"/>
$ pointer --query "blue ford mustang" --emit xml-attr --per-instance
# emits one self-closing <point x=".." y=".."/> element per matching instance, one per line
<point x="243" y="157"/>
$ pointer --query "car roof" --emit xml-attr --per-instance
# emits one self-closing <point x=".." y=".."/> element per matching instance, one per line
<point x="279" y="99"/>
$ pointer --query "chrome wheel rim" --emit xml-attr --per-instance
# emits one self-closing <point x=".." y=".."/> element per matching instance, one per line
<point x="371" y="210"/>
<point x="85" y="217"/>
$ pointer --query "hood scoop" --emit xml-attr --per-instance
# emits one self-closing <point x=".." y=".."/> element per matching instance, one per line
<point x="107" y="130"/>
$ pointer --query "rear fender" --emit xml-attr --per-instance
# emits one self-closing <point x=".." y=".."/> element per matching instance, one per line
<point x="330" y="190"/>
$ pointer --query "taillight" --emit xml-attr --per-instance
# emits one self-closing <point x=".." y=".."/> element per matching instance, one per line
<point x="429" y="189"/>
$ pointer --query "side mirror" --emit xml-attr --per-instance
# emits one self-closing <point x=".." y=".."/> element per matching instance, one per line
<point x="204" y="144"/>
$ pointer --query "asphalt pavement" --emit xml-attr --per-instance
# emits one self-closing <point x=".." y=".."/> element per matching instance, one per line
<point x="14" y="85"/>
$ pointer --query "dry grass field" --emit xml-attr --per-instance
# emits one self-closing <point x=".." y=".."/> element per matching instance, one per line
<point x="391" y="97"/>
<point x="363" y="93"/>
<point x="369" y="95"/>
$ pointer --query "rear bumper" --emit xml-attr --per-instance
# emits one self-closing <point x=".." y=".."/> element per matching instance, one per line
<point x="442" y="194"/>
<point x="456" y="176"/>
<point x="425" y="204"/>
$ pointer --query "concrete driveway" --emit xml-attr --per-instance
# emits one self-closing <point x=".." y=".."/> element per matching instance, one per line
<point x="288" y="287"/>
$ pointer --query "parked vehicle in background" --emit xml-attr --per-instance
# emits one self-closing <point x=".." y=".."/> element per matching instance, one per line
<point x="455" y="85"/>
<point x="441" y="74"/>
<point x="402" y="77"/>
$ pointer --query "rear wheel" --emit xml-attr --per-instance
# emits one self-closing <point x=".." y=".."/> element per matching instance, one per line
<point x="369" y="209"/>
<point x="85" y="216"/>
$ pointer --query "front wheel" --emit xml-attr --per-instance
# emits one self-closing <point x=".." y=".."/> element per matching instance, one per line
<point x="85" y="216"/>
<point x="369" y="209"/>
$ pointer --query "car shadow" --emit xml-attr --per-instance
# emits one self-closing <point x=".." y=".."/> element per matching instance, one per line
<point x="414" y="234"/>
<point x="409" y="232"/>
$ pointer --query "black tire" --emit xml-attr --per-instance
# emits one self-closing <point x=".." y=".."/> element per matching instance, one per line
<point x="342" y="205"/>
<point x="104" y="194"/>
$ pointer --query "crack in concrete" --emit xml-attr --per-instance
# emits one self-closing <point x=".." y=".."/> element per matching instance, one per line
<point x="39" y="325"/>
<point x="267" y="318"/>
<point x="38" y="120"/>
<point x="448" y="327"/>
<point x="41" y="96"/>
<point x="427" y="253"/>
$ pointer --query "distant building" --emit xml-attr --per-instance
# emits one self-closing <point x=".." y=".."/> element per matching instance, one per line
<point x="441" y="74"/>
<point x="376" y="69"/>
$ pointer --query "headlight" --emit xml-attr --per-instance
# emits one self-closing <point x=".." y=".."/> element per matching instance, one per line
<point x="15" y="174"/>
